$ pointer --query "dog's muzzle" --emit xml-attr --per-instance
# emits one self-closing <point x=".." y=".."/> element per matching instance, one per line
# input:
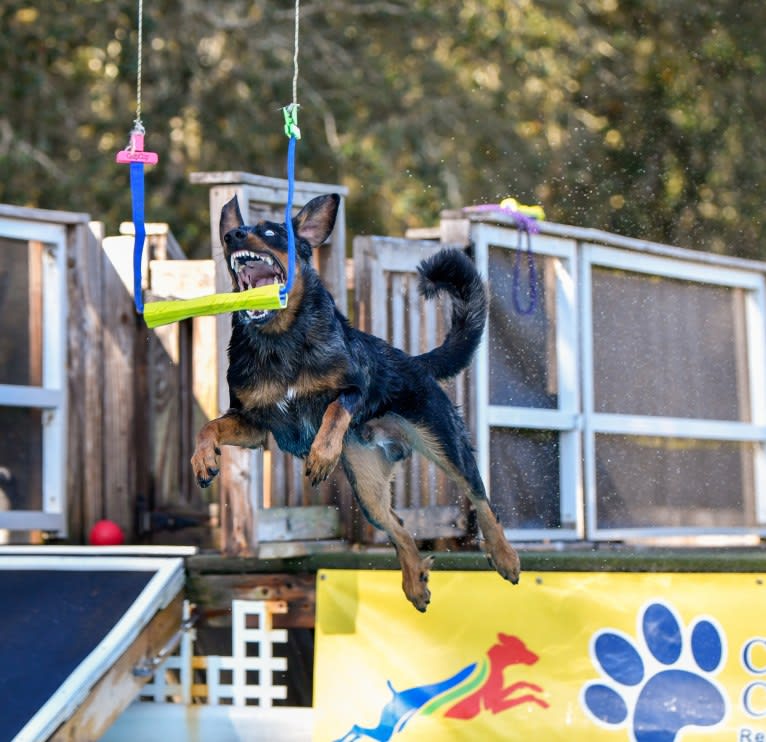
<point x="252" y="269"/>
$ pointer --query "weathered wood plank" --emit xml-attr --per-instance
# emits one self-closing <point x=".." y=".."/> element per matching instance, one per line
<point x="165" y="410"/>
<point x="160" y="240"/>
<point x="119" y="402"/>
<point x="239" y="487"/>
<point x="182" y="279"/>
<point x="241" y="471"/>
<point x="85" y="379"/>
<point x="233" y="177"/>
<point x="430" y="522"/>
<point x="297" y="523"/>
<point x="260" y="197"/>
<point x="542" y="558"/>
<point x="218" y="197"/>
<point x="332" y="261"/>
<point x="204" y="376"/>
<point x="189" y="493"/>
<point x="454" y="230"/>
<point x="389" y="306"/>
<point x="215" y="593"/>
<point x="182" y="383"/>
<point x="43" y="215"/>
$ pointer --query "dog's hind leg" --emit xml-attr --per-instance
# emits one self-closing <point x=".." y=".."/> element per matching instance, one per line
<point x="369" y="470"/>
<point x="501" y="554"/>
<point x="446" y="444"/>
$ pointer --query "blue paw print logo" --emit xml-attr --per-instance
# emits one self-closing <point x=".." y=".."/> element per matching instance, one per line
<point x="657" y="688"/>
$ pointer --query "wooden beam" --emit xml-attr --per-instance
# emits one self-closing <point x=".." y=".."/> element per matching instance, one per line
<point x="120" y="405"/>
<point x="430" y="522"/>
<point x="42" y="215"/>
<point x="239" y="484"/>
<point x="298" y="523"/>
<point x="233" y="177"/>
<point x="214" y="593"/>
<point x="85" y="365"/>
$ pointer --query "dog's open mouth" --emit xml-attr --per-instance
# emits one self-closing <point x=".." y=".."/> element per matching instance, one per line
<point x="253" y="269"/>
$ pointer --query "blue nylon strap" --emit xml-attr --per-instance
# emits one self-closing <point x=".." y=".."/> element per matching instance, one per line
<point x="289" y="220"/>
<point x="137" y="192"/>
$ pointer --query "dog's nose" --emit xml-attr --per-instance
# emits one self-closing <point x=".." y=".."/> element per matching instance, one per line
<point x="235" y="237"/>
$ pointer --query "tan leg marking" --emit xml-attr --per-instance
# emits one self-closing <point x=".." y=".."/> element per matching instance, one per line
<point x="500" y="553"/>
<point x="228" y="430"/>
<point x="370" y="475"/>
<point x="328" y="443"/>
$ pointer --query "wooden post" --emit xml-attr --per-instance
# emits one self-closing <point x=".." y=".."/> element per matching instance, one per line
<point x="261" y="197"/>
<point x="242" y="472"/>
<point x="182" y="379"/>
<point x="85" y="435"/>
<point x="119" y="404"/>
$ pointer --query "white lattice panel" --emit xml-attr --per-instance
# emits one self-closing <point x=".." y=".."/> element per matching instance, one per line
<point x="245" y="678"/>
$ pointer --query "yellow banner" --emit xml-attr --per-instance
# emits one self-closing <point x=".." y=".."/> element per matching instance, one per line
<point x="561" y="656"/>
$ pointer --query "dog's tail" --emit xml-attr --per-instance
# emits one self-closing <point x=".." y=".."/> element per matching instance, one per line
<point x="453" y="271"/>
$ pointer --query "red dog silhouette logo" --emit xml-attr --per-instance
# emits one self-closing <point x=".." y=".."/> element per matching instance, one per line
<point x="494" y="695"/>
<point x="480" y="686"/>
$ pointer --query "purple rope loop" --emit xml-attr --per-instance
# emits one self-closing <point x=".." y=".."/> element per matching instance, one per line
<point x="526" y="226"/>
<point x="531" y="273"/>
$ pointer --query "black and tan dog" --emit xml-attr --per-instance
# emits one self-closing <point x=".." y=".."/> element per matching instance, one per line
<point x="330" y="393"/>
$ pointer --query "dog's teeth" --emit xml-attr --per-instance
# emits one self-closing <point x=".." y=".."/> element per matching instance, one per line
<point x="239" y="258"/>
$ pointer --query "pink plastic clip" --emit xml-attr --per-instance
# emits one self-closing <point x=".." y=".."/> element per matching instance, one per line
<point x="134" y="152"/>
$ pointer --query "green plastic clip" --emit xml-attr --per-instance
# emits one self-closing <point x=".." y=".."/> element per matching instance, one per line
<point x="291" y="121"/>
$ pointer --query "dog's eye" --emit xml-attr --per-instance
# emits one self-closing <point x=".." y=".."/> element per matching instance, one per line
<point x="268" y="233"/>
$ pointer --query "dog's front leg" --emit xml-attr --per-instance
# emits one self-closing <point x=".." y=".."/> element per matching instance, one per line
<point x="231" y="429"/>
<point x="328" y="442"/>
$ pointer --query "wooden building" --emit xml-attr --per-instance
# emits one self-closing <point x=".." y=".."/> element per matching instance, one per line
<point x="618" y="398"/>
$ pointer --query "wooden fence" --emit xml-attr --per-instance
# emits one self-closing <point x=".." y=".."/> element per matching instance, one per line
<point x="265" y="502"/>
<point x="136" y="397"/>
<point x="388" y="304"/>
<point x="268" y="505"/>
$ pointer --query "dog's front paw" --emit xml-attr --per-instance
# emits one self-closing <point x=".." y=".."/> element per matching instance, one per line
<point x="204" y="462"/>
<point x="320" y="463"/>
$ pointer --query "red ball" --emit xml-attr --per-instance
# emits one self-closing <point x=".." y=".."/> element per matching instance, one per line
<point x="106" y="533"/>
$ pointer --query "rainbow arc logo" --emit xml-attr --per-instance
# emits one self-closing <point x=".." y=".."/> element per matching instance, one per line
<point x="477" y="688"/>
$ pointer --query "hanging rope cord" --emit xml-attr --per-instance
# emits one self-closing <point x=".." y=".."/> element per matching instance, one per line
<point x="135" y="155"/>
<point x="138" y="124"/>
<point x="296" y="47"/>
<point x="294" y="133"/>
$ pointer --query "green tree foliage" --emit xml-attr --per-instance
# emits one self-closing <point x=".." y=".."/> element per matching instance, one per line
<point x="639" y="117"/>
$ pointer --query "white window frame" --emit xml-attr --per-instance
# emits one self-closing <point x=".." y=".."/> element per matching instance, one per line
<point x="565" y="419"/>
<point x="594" y="423"/>
<point x="51" y="397"/>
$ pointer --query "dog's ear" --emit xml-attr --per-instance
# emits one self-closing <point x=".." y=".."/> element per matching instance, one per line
<point x="230" y="217"/>
<point x="316" y="219"/>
